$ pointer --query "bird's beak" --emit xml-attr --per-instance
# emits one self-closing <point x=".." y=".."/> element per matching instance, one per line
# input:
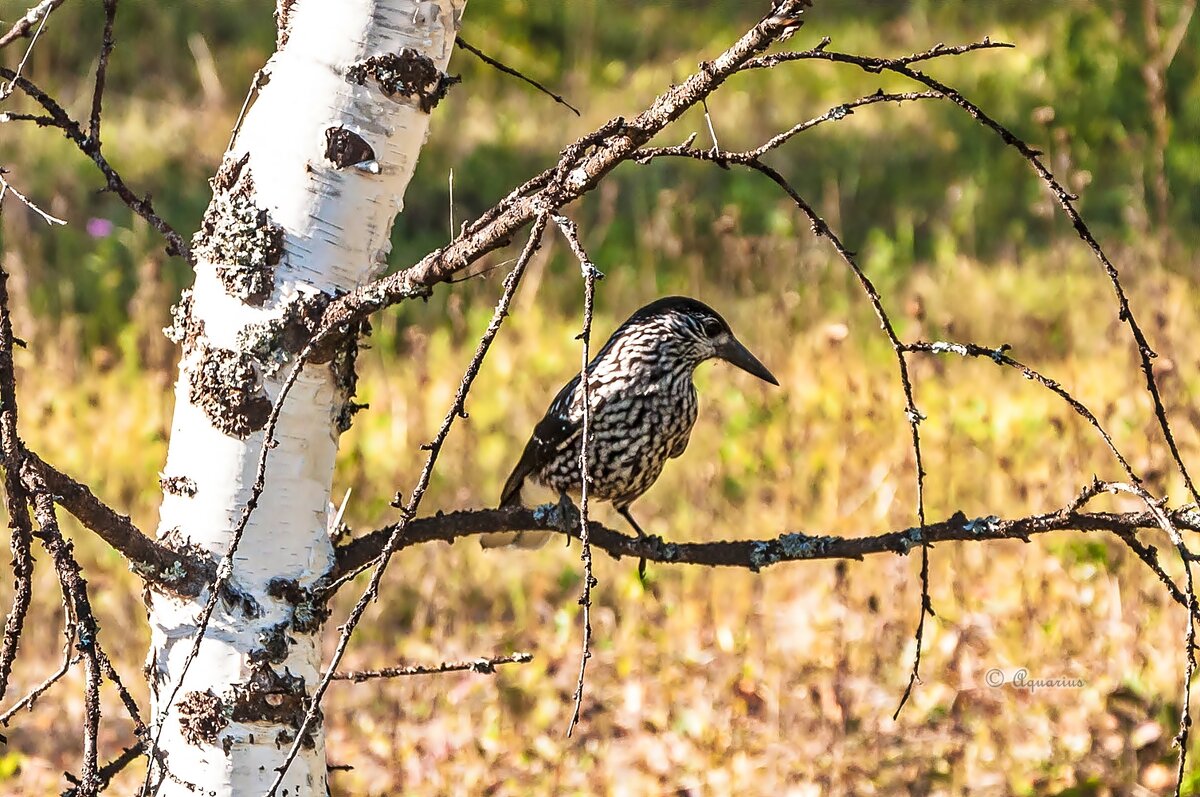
<point x="732" y="351"/>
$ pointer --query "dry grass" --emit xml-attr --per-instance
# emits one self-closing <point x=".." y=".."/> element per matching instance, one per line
<point x="704" y="683"/>
<point x="724" y="682"/>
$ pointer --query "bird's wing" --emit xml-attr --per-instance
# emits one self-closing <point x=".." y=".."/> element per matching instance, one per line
<point x="552" y="430"/>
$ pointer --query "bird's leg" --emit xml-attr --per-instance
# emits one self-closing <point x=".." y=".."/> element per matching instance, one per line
<point x="568" y="514"/>
<point x="624" y="512"/>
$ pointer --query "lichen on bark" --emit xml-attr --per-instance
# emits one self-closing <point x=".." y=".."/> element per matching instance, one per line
<point x="238" y="237"/>
<point x="202" y="717"/>
<point x="225" y="385"/>
<point x="273" y="342"/>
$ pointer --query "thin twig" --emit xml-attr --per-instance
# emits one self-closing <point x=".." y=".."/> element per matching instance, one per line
<point x="68" y="661"/>
<point x="110" y="770"/>
<point x="590" y="275"/>
<point x="1065" y="199"/>
<point x="8" y="90"/>
<point x="8" y="187"/>
<point x="508" y="70"/>
<point x="712" y="131"/>
<point x="876" y="65"/>
<point x="1163" y="520"/>
<point x="106" y="47"/>
<point x="839" y="112"/>
<point x="113" y="180"/>
<point x="131" y="707"/>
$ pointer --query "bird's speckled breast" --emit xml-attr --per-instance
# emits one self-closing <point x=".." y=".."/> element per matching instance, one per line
<point x="636" y="426"/>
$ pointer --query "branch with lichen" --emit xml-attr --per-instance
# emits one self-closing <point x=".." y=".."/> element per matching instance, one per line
<point x="754" y="554"/>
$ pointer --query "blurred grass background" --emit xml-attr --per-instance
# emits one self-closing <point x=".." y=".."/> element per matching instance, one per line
<point x="703" y="683"/>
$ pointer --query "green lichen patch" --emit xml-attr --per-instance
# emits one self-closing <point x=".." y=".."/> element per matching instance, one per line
<point x="185" y="328"/>
<point x="272" y="343"/>
<point x="238" y="237"/>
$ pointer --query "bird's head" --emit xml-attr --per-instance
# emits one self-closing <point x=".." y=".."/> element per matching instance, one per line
<point x="694" y="332"/>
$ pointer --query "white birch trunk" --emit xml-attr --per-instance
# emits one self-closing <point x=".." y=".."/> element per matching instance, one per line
<point x="302" y="207"/>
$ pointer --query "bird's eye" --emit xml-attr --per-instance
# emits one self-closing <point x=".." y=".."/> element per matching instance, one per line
<point x="712" y="327"/>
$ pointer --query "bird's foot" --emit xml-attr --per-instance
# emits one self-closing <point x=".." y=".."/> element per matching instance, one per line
<point x="570" y="515"/>
<point x="560" y="516"/>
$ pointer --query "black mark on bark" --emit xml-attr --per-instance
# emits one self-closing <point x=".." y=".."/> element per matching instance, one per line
<point x="268" y="696"/>
<point x="345" y="147"/>
<point x="202" y="716"/>
<point x="346" y="378"/>
<point x="177" y="485"/>
<point x="405" y="74"/>
<point x="308" y="612"/>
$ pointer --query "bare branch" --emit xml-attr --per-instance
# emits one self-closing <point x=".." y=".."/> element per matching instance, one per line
<point x="34" y="16"/>
<point x="821" y="229"/>
<point x="110" y="770"/>
<point x="106" y="47"/>
<point x="7" y="187"/>
<point x="75" y="589"/>
<point x="16" y="499"/>
<point x="877" y="64"/>
<point x="590" y="275"/>
<point x="113" y="180"/>
<point x="482" y="666"/>
<point x="68" y="661"/>
<point x="178" y="572"/>
<point x="580" y="169"/>
<point x="751" y="554"/>
<point x="8" y="90"/>
<point x="1065" y="199"/>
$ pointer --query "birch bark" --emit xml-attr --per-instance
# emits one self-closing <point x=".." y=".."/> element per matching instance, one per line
<point x="302" y="208"/>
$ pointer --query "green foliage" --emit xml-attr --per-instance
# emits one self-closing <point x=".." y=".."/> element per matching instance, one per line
<point x="904" y="184"/>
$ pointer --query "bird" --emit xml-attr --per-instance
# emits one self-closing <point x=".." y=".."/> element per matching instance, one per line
<point x="643" y="406"/>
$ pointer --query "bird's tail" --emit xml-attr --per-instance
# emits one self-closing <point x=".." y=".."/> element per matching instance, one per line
<point x="510" y="496"/>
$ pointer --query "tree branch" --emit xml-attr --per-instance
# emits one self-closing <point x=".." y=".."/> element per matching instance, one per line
<point x="34" y="16"/>
<point x="1065" y="199"/>
<point x="58" y="117"/>
<point x="580" y="169"/>
<point x="751" y="555"/>
<point x="179" y="572"/>
<point x="463" y="44"/>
